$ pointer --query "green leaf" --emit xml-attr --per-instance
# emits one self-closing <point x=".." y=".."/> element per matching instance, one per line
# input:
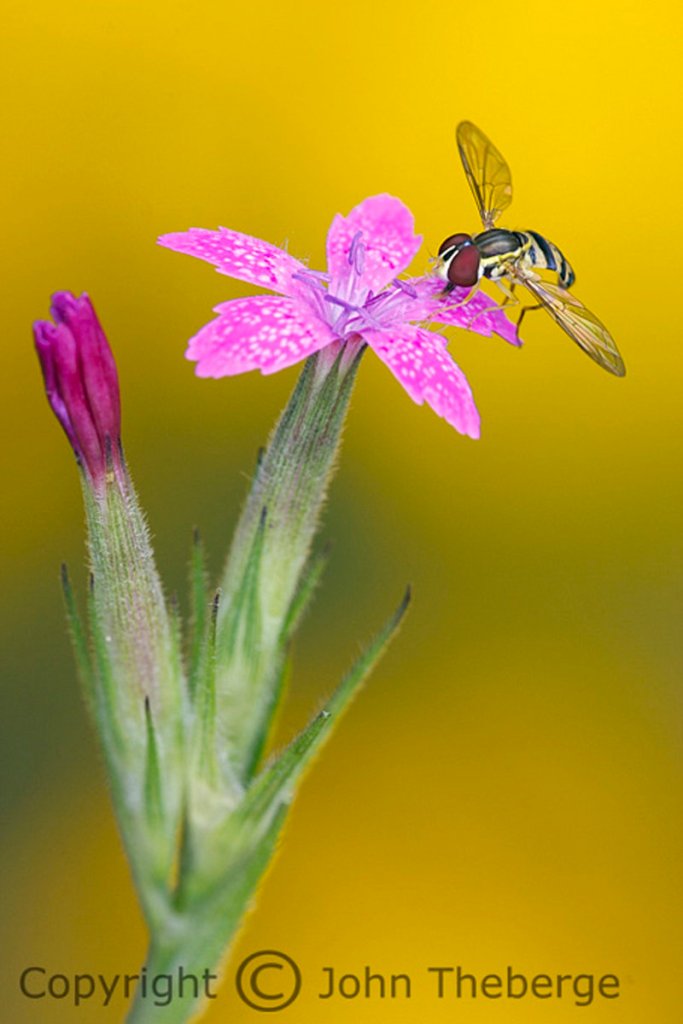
<point x="153" y="796"/>
<point x="276" y="782"/>
<point x="205" y="704"/>
<point x="109" y="725"/>
<point x="364" y="665"/>
<point x="264" y="725"/>
<point x="199" y="608"/>
<point x="253" y="822"/>
<point x="245" y="610"/>
<point x="79" y="641"/>
<point x="308" y="584"/>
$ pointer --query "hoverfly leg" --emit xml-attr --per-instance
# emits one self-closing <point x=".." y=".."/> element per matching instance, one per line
<point x="462" y="302"/>
<point x="470" y="295"/>
<point x="525" y="310"/>
<point x="508" y="291"/>
<point x="510" y="297"/>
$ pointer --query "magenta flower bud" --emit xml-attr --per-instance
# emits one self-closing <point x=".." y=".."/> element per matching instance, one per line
<point x="81" y="382"/>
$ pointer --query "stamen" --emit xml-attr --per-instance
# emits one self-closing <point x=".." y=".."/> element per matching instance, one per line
<point x="341" y="302"/>
<point x="322" y="274"/>
<point x="306" y="277"/>
<point x="352" y="311"/>
<point x="357" y="253"/>
<point x="405" y="287"/>
<point x="392" y="300"/>
<point x="317" y="291"/>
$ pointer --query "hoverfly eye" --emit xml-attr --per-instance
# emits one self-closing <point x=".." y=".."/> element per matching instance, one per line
<point x="452" y="242"/>
<point x="463" y="270"/>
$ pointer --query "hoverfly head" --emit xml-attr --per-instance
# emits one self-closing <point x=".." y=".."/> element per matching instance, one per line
<point x="460" y="259"/>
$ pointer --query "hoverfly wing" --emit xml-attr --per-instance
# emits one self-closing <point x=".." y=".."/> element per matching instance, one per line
<point x="487" y="172"/>
<point x="580" y="324"/>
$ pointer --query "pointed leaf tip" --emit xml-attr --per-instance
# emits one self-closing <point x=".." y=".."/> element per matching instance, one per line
<point x="153" y="787"/>
<point x="407" y="598"/>
<point x="363" y="665"/>
<point x="277" y="782"/>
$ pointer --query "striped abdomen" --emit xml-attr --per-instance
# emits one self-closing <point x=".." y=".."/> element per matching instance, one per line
<point x="543" y="254"/>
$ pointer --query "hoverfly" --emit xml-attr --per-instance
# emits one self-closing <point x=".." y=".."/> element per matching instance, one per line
<point x="516" y="256"/>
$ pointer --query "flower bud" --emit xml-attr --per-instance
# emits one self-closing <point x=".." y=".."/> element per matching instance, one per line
<point x="81" y="383"/>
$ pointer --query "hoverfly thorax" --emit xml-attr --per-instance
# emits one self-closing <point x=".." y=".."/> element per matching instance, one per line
<point x="460" y="257"/>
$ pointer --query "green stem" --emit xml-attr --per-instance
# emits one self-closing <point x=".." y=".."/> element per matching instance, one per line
<point x="178" y="977"/>
<point x="287" y="495"/>
<point x="192" y="944"/>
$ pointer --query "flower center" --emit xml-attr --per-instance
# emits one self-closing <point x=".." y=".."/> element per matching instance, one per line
<point x="345" y="303"/>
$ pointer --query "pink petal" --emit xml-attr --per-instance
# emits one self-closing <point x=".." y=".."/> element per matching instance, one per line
<point x="480" y="313"/>
<point x="420" y="362"/>
<point x="386" y="243"/>
<point x="241" y="256"/>
<point x="263" y="333"/>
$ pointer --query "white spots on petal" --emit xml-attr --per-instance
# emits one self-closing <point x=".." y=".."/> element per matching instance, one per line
<point x="240" y="256"/>
<point x="264" y="332"/>
<point x="418" y="360"/>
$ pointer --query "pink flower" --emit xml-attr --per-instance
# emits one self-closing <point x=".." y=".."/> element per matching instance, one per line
<point x="359" y="300"/>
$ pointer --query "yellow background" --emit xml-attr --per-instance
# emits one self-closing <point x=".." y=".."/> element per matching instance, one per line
<point x="507" y="790"/>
